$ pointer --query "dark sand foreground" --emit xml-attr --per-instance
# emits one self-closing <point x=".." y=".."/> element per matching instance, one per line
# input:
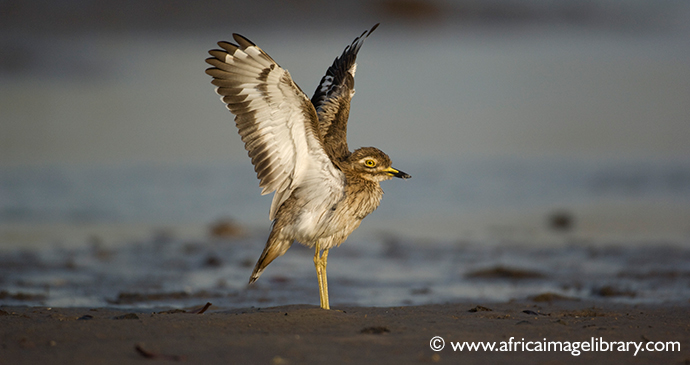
<point x="302" y="334"/>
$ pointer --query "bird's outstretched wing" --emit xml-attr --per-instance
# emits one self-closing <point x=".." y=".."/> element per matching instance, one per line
<point x="276" y="120"/>
<point x="332" y="99"/>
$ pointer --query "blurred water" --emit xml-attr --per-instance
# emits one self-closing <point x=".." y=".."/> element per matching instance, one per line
<point x="417" y="248"/>
<point x="200" y="194"/>
<point x="166" y="271"/>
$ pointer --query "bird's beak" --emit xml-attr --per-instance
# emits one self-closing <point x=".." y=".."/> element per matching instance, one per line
<point x="397" y="173"/>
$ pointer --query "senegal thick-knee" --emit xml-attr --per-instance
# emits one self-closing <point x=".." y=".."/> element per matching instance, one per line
<point x="299" y="149"/>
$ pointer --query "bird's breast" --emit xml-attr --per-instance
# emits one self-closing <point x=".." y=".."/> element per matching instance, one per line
<point x="331" y="220"/>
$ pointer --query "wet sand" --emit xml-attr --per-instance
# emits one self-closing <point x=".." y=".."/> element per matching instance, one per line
<point x="301" y="334"/>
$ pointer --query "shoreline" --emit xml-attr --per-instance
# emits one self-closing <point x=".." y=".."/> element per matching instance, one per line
<point x="305" y="334"/>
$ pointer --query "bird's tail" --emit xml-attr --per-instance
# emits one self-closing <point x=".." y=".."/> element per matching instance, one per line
<point x="275" y="247"/>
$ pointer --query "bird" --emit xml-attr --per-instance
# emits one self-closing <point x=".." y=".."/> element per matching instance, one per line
<point x="299" y="150"/>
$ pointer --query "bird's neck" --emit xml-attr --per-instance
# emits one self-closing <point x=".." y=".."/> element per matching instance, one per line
<point x="364" y="188"/>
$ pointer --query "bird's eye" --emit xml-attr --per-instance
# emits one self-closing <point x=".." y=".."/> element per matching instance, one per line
<point x="370" y="163"/>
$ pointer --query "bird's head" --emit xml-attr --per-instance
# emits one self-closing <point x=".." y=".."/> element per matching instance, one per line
<point x="372" y="164"/>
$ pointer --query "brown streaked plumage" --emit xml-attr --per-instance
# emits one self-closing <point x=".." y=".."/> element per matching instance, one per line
<point x="299" y="149"/>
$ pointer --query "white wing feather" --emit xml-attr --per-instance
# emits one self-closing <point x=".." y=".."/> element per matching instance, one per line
<point x="277" y="122"/>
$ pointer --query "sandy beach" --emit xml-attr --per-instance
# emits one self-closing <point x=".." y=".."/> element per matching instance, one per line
<point x="301" y="334"/>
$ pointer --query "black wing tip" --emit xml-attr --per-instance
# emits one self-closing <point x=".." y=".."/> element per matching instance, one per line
<point x="215" y="53"/>
<point x="366" y="33"/>
<point x="374" y="28"/>
<point x="242" y="41"/>
<point x="225" y="43"/>
<point x="341" y="64"/>
<point x="354" y="47"/>
<point x="226" y="47"/>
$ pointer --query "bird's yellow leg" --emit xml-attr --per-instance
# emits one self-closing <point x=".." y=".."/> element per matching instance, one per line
<point x="324" y="261"/>
<point x="320" y="262"/>
<point x="317" y="260"/>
